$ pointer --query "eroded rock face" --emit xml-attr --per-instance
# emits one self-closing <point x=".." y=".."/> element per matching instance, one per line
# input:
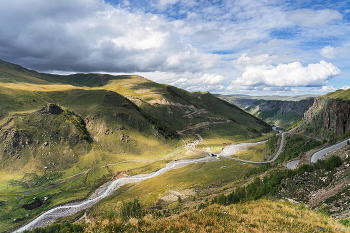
<point x="327" y="118"/>
<point x="342" y="111"/>
<point x="51" y="109"/>
<point x="14" y="140"/>
<point x="298" y="107"/>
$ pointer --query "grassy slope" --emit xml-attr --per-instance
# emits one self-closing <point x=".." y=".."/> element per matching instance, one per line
<point x="149" y="96"/>
<point x="123" y="139"/>
<point x="254" y="216"/>
<point x="119" y="131"/>
<point x="341" y="94"/>
<point x="180" y="109"/>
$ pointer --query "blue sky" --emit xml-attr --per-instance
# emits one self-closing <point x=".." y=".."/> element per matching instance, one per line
<point x="256" y="47"/>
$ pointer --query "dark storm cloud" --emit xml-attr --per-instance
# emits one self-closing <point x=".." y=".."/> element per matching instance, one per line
<point x="89" y="35"/>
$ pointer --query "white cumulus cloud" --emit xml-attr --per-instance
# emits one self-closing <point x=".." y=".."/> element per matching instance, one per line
<point x="323" y="89"/>
<point x="328" y="52"/>
<point x="336" y="52"/>
<point x="283" y="75"/>
<point x="187" y="43"/>
<point x="195" y="81"/>
<point x="212" y="79"/>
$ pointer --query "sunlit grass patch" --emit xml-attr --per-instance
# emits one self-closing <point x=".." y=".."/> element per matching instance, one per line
<point x="40" y="87"/>
<point x="195" y="175"/>
<point x="252" y="153"/>
<point x="255" y="216"/>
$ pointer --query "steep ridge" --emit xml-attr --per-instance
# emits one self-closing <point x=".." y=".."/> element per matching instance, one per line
<point x="328" y="117"/>
<point x="180" y="109"/>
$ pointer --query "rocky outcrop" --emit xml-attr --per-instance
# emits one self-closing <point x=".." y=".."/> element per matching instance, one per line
<point x="327" y="118"/>
<point x="14" y="140"/>
<point x="51" y="109"/>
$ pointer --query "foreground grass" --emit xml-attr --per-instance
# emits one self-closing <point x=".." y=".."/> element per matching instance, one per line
<point x="257" y="216"/>
<point x="254" y="216"/>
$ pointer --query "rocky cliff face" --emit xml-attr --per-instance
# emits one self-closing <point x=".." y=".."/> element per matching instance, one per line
<point x="297" y="107"/>
<point x="327" y="118"/>
<point x="278" y="112"/>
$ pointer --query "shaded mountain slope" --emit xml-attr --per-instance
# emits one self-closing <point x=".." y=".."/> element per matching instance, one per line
<point x="180" y="109"/>
<point x="173" y="107"/>
<point x="283" y="111"/>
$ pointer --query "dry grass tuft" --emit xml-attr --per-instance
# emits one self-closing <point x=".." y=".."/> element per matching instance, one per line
<point x="255" y="216"/>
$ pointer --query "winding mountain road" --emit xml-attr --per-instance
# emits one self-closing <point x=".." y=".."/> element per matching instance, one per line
<point x="252" y="144"/>
<point x="319" y="154"/>
<point x="292" y="164"/>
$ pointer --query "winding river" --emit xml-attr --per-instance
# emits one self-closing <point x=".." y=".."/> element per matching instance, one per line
<point x="107" y="189"/>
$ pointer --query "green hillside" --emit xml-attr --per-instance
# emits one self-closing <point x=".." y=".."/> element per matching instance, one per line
<point x="180" y="109"/>
<point x="64" y="136"/>
<point x="175" y="108"/>
<point x="338" y="94"/>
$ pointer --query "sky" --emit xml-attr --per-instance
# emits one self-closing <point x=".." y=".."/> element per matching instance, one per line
<point x="254" y="47"/>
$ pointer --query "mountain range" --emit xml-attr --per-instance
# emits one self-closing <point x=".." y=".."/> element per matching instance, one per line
<point x="63" y="136"/>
